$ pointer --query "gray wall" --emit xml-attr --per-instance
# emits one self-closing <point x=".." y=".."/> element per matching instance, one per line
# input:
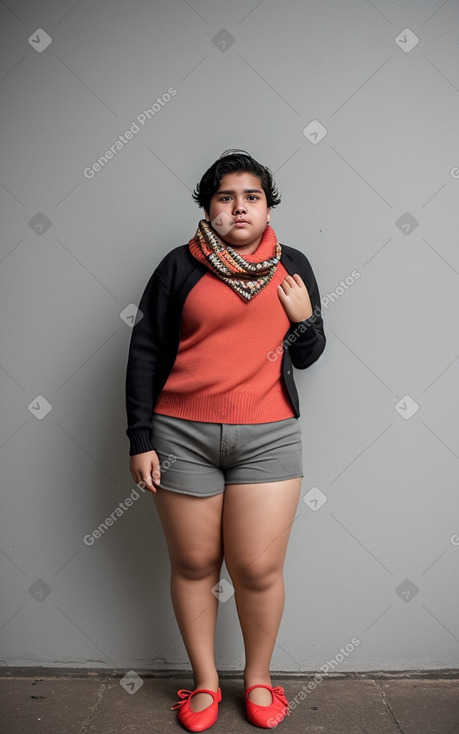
<point x="372" y="571"/>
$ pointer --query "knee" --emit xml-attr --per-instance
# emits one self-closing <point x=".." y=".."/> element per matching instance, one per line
<point x="197" y="566"/>
<point x="257" y="576"/>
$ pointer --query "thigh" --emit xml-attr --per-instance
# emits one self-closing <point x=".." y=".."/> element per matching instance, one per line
<point x="189" y="455"/>
<point x="193" y="529"/>
<point x="257" y="519"/>
<point x="264" y="452"/>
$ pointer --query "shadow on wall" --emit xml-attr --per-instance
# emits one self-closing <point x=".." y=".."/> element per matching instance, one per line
<point x="124" y="567"/>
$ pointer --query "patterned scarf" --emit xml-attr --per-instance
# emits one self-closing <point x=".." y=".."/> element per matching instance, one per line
<point x="245" y="278"/>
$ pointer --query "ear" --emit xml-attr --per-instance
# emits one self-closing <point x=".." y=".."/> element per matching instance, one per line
<point x="207" y="215"/>
<point x="269" y="214"/>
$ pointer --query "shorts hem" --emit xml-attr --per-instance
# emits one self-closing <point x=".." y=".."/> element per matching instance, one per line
<point x="267" y="481"/>
<point x="190" y="493"/>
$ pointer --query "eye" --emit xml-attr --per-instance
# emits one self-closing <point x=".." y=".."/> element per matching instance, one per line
<point x="224" y="198"/>
<point x="253" y="197"/>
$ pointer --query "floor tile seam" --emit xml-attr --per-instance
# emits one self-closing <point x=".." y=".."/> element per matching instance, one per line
<point x="386" y="703"/>
<point x="92" y="711"/>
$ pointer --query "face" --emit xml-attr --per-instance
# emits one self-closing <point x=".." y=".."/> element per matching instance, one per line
<point x="241" y="201"/>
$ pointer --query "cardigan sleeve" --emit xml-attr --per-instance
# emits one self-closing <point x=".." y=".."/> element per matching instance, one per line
<point x="147" y="366"/>
<point x="305" y="340"/>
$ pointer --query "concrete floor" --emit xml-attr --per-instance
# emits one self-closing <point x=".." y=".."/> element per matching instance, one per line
<point x="50" y="701"/>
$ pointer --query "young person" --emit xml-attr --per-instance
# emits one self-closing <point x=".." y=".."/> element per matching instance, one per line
<point x="213" y="422"/>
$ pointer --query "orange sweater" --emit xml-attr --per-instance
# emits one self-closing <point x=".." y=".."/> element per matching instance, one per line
<point x="222" y="373"/>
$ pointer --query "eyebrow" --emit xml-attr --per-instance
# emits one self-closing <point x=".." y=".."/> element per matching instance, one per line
<point x="246" y="191"/>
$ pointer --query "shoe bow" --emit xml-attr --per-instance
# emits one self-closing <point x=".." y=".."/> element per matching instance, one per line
<point x="280" y="694"/>
<point x="184" y="694"/>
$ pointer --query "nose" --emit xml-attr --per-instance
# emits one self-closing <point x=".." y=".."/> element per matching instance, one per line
<point x="239" y="209"/>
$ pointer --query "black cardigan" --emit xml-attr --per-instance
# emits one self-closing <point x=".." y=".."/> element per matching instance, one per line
<point x="156" y="336"/>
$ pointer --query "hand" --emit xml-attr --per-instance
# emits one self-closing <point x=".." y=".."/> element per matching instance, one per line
<point x="294" y="297"/>
<point x="145" y="469"/>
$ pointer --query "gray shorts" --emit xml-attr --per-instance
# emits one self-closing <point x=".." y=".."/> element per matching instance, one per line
<point x="200" y="458"/>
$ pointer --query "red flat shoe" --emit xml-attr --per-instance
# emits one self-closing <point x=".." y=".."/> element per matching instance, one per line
<point x="270" y="716"/>
<point x="197" y="720"/>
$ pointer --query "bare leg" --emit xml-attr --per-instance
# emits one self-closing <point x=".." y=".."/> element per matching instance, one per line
<point x="192" y="526"/>
<point x="257" y="519"/>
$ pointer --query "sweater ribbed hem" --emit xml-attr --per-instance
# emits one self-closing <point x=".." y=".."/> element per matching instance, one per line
<point x="140" y="441"/>
<point x="225" y="407"/>
<point x="304" y="330"/>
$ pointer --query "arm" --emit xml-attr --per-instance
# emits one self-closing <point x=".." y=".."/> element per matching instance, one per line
<point x="299" y="295"/>
<point x="145" y="375"/>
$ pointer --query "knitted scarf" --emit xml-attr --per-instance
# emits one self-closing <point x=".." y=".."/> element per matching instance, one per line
<point x="245" y="278"/>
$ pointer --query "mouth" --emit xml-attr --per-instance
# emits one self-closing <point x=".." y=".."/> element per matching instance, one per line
<point x="240" y="221"/>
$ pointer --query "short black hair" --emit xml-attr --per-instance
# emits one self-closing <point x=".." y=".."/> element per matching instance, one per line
<point x="232" y="161"/>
